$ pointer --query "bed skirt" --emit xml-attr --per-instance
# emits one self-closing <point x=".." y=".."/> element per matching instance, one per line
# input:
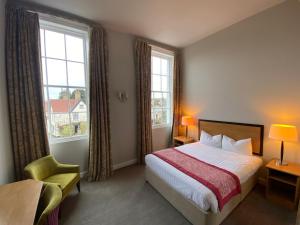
<point x="189" y="209"/>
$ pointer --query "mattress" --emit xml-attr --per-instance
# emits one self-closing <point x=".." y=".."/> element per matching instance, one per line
<point x="241" y="165"/>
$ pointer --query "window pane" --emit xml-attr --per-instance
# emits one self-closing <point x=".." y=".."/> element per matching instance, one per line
<point x="152" y="117"/>
<point x="56" y="72"/>
<point x="164" y="118"/>
<point x="60" y="125"/>
<point x="58" y="93"/>
<point x="79" y="94"/>
<point x="44" y="70"/>
<point x="164" y="83"/>
<point x="157" y="116"/>
<point x="45" y="94"/>
<point x="155" y="65"/>
<point x="165" y="100"/>
<point x="74" y="48"/>
<point x="76" y="74"/>
<point x="79" y="123"/>
<point x="55" y="44"/>
<point x="164" y="67"/>
<point x="42" y="42"/>
<point x="156" y="83"/>
<point x="157" y="100"/>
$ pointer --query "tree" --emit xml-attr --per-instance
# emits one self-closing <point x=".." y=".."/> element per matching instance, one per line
<point x="82" y="94"/>
<point x="64" y="94"/>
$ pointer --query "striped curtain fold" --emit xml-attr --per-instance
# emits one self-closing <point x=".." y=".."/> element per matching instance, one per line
<point x="100" y="165"/>
<point x="143" y="76"/>
<point x="24" y="88"/>
<point x="177" y="92"/>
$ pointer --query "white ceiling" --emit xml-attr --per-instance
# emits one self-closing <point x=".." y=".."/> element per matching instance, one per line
<point x="174" y="22"/>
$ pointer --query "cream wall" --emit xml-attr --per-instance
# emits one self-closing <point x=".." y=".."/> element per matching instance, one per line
<point x="122" y="115"/>
<point x="249" y="73"/>
<point x="6" y="161"/>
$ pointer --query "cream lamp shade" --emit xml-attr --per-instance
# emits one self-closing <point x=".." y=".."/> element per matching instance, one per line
<point x="283" y="132"/>
<point x="187" y="120"/>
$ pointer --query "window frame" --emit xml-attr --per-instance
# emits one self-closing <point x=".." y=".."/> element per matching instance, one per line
<point x="75" y="30"/>
<point x="164" y="54"/>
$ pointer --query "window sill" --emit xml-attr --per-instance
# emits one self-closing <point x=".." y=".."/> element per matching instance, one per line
<point x="161" y="126"/>
<point x="68" y="139"/>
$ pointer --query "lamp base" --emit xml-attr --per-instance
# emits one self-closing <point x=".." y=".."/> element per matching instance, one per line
<point x="279" y="163"/>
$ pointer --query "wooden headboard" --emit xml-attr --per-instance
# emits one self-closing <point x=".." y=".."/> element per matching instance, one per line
<point x="236" y="131"/>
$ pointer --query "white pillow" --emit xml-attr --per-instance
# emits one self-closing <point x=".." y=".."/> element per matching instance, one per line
<point x="207" y="139"/>
<point x="243" y="146"/>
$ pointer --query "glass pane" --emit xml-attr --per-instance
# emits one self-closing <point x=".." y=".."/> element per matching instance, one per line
<point x="156" y="83"/>
<point x="165" y="100"/>
<point x="164" y="67"/>
<point x="42" y="42"/>
<point x="164" y="118"/>
<point x="164" y="83"/>
<point x="152" y="99"/>
<point x="76" y="74"/>
<point x="157" y="100"/>
<point x="152" y="117"/>
<point x="74" y="48"/>
<point x="79" y="123"/>
<point x="56" y="72"/>
<point x="78" y="94"/>
<point x="157" y="116"/>
<point x="56" y="93"/>
<point x="44" y="71"/>
<point x="60" y="125"/>
<point x="155" y="65"/>
<point x="45" y="94"/>
<point x="55" y="44"/>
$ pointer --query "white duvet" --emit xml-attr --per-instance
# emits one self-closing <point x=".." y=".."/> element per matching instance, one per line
<point x="242" y="165"/>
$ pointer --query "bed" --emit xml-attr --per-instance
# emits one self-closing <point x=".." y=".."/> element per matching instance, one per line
<point x="193" y="199"/>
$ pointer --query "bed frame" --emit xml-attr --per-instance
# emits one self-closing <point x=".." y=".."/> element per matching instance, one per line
<point x="189" y="209"/>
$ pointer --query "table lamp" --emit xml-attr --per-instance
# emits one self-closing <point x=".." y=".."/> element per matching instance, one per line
<point x="187" y="121"/>
<point x="283" y="133"/>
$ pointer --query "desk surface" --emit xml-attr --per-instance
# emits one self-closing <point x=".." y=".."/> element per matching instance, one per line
<point x="18" y="202"/>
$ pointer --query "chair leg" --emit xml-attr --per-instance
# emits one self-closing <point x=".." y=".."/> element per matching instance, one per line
<point x="78" y="186"/>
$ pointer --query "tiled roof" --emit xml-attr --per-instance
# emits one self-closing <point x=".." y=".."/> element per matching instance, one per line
<point x="61" y="105"/>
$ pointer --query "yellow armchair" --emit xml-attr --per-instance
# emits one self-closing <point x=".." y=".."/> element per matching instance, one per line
<point x="49" y="203"/>
<point x="48" y="170"/>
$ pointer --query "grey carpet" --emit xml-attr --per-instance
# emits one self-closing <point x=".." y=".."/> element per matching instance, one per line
<point x="126" y="199"/>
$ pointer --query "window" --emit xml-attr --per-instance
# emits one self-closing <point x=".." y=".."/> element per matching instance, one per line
<point x="64" y="62"/>
<point x="161" y="88"/>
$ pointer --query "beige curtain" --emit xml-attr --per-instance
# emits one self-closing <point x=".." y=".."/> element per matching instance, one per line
<point x="143" y="74"/>
<point x="100" y="166"/>
<point x="176" y="96"/>
<point x="24" y="87"/>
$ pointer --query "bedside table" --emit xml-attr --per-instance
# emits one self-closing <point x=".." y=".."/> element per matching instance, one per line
<point x="182" y="140"/>
<point x="283" y="183"/>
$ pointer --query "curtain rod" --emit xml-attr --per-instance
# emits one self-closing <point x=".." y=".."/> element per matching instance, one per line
<point x="160" y="45"/>
<point x="34" y="7"/>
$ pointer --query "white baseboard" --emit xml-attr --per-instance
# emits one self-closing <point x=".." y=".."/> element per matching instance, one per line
<point x="124" y="164"/>
<point x="83" y="174"/>
<point x="115" y="167"/>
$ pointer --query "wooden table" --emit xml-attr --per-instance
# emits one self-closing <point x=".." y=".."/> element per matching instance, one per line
<point x="283" y="183"/>
<point x="18" y="202"/>
<point x="182" y="140"/>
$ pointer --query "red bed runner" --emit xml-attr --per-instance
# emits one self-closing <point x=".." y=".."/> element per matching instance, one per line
<point x="222" y="183"/>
